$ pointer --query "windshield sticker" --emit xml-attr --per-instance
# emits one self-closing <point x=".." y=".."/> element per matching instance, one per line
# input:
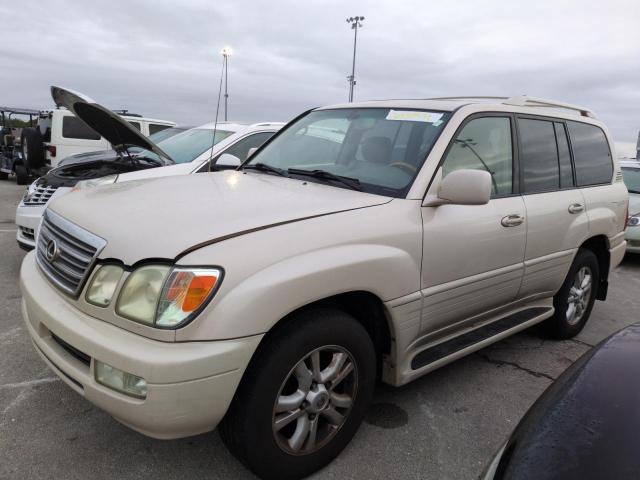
<point x="414" y="116"/>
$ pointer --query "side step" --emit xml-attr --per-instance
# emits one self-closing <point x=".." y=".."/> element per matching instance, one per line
<point x="449" y="347"/>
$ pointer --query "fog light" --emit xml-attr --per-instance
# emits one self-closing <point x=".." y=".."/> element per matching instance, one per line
<point x="123" y="382"/>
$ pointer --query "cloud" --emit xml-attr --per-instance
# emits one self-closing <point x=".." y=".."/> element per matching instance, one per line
<point x="161" y="57"/>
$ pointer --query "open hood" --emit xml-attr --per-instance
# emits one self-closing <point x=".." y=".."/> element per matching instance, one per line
<point x="116" y="130"/>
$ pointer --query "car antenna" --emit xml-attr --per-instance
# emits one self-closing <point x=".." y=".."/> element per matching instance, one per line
<point x="215" y="124"/>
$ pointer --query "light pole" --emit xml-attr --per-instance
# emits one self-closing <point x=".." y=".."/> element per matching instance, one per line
<point x="226" y="53"/>
<point x="355" y="22"/>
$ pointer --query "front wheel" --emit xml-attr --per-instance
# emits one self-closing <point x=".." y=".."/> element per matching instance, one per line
<point x="574" y="301"/>
<point x="303" y="397"/>
<point x="22" y="175"/>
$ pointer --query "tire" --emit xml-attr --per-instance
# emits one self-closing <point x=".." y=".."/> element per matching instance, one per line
<point x="32" y="148"/>
<point x="275" y="373"/>
<point x="570" y="317"/>
<point x="4" y="175"/>
<point x="22" y="175"/>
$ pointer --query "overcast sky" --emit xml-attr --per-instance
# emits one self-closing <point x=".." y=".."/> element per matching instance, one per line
<point x="161" y="57"/>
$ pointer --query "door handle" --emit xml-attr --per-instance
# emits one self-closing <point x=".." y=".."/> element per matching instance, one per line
<point x="512" y="220"/>
<point x="576" y="208"/>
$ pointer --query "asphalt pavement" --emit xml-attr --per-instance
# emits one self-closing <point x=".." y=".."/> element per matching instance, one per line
<point x="446" y="425"/>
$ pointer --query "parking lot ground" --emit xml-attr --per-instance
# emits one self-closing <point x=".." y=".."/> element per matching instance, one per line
<point x="446" y="425"/>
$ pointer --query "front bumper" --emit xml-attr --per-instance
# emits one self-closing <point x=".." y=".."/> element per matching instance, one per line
<point x="190" y="384"/>
<point x="633" y="239"/>
<point x="28" y="220"/>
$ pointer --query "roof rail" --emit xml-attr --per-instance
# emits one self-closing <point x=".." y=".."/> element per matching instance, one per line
<point x="267" y="124"/>
<point x="525" y="101"/>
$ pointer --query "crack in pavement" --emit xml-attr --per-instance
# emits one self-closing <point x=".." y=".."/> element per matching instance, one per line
<point x="501" y="363"/>
<point x="28" y="383"/>
<point x="580" y="342"/>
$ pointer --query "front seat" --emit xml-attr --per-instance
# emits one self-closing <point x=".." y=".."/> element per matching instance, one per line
<point x="376" y="150"/>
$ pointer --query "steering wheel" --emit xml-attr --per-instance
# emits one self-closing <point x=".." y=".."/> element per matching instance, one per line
<point x="405" y="167"/>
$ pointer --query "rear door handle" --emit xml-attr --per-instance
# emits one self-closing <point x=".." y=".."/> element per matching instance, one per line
<point x="512" y="220"/>
<point x="576" y="208"/>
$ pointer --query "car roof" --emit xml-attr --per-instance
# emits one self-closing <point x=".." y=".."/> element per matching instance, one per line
<point x="240" y="127"/>
<point x="630" y="163"/>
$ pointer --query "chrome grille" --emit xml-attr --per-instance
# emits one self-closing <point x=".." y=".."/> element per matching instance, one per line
<point x="40" y="196"/>
<point x="66" y="252"/>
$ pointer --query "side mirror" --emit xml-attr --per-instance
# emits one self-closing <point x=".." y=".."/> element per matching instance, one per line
<point x="462" y="187"/>
<point x="251" y="152"/>
<point x="226" y="160"/>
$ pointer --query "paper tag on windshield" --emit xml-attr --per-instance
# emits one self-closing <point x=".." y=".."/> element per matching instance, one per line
<point x="414" y="116"/>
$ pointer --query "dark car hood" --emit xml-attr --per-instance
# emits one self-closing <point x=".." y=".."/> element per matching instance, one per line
<point x="117" y="131"/>
<point x="86" y="166"/>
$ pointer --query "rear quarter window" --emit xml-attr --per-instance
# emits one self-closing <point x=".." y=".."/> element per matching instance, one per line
<point x="591" y="154"/>
<point x="73" y="127"/>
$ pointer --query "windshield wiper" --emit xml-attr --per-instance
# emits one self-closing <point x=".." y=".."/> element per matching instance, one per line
<point x="352" y="183"/>
<point x="634" y="191"/>
<point x="263" y="167"/>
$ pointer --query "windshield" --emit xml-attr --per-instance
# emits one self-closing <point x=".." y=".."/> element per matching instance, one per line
<point x="631" y="177"/>
<point x="165" y="133"/>
<point x="187" y="146"/>
<point x="380" y="148"/>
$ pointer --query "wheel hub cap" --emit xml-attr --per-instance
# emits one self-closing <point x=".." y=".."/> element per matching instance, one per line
<point x="579" y="295"/>
<point x="314" y="400"/>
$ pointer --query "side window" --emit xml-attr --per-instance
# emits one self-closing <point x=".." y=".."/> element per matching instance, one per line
<point x="539" y="159"/>
<point x="484" y="144"/>
<point x="241" y="148"/>
<point x="564" y="157"/>
<point x="135" y="125"/>
<point x="155" y="128"/>
<point x="591" y="154"/>
<point x="73" y="127"/>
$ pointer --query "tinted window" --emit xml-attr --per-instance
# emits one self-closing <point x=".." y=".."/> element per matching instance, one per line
<point x="241" y="148"/>
<point x="135" y="125"/>
<point x="539" y="158"/>
<point x="591" y="154"/>
<point x="631" y="177"/>
<point x="484" y="144"/>
<point x="564" y="157"/>
<point x="155" y="128"/>
<point x="73" y="127"/>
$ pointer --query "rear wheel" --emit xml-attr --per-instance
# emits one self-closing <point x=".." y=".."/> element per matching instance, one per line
<point x="303" y="397"/>
<point x="574" y="301"/>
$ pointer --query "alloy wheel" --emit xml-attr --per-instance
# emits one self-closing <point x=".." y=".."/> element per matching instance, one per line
<point x="579" y="295"/>
<point x="315" y="400"/>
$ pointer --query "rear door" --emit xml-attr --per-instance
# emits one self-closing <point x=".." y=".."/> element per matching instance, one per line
<point x="557" y="222"/>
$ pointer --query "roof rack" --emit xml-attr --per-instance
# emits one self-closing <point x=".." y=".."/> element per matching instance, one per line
<point x="126" y="113"/>
<point x="525" y="101"/>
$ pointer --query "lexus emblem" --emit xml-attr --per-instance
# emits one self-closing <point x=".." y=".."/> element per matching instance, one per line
<point x="52" y="250"/>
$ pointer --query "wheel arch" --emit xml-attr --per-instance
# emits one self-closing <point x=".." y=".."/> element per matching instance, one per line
<point x="599" y="245"/>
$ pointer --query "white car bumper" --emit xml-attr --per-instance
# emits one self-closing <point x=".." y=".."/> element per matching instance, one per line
<point x="28" y="220"/>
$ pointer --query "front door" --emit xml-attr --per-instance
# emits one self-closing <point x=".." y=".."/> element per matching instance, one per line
<point x="473" y="255"/>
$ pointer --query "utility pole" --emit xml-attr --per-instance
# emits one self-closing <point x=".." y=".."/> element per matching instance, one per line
<point x="226" y="53"/>
<point x="355" y="22"/>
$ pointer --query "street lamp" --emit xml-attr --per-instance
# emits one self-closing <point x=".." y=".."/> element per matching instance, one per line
<point x="355" y="22"/>
<point x="226" y="53"/>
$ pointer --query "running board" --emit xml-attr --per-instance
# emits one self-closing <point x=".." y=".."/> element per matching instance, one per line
<point x="477" y="336"/>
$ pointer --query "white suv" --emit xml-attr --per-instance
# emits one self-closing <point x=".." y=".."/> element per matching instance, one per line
<point x="377" y="239"/>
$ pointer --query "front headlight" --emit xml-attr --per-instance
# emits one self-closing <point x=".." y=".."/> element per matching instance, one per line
<point x="634" y="220"/>
<point x="155" y="295"/>
<point x="94" y="182"/>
